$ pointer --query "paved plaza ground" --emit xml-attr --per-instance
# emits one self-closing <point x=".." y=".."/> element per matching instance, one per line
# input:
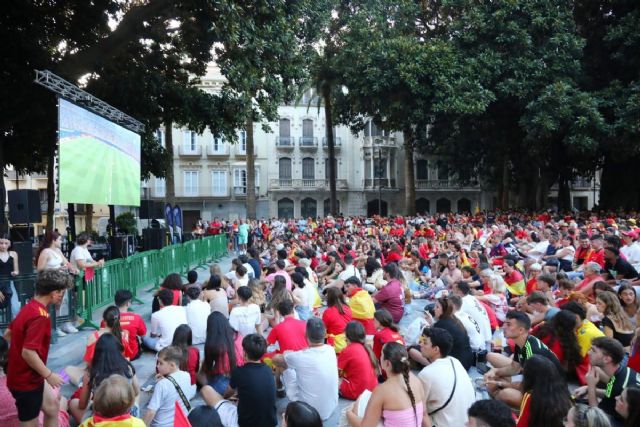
<point x="69" y="350"/>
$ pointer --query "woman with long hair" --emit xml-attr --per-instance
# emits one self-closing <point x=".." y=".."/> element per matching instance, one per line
<point x="107" y="360"/>
<point x="279" y="293"/>
<point x="111" y="325"/>
<point x="615" y="322"/>
<point x="222" y="352"/>
<point x="629" y="302"/>
<point x="386" y="331"/>
<point x="373" y="273"/>
<point x="357" y="364"/>
<point x="183" y="339"/>
<point x="216" y="296"/>
<point x="447" y="320"/>
<point x="335" y="318"/>
<point x="560" y="336"/>
<point x="628" y="406"/>
<point x="173" y="282"/>
<point x="546" y="397"/>
<point x="398" y="402"/>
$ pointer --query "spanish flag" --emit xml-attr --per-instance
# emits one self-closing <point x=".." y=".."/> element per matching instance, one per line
<point x="516" y="287"/>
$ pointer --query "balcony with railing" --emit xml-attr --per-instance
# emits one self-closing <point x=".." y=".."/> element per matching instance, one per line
<point x="380" y="141"/>
<point x="190" y="152"/>
<point x="308" y="143"/>
<point x="285" y="143"/>
<point x="374" y="183"/>
<point x="305" y="184"/>
<point x="582" y="184"/>
<point x="337" y="143"/>
<point x="222" y="150"/>
<point x="241" y="151"/>
<point x="445" y="184"/>
<point x="240" y="192"/>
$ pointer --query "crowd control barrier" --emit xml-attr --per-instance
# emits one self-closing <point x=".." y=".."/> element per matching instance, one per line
<point x="142" y="270"/>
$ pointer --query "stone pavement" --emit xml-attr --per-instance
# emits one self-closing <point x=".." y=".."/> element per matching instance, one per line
<point x="69" y="350"/>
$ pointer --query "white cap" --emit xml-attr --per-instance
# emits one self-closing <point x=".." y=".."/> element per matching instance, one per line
<point x="535" y="266"/>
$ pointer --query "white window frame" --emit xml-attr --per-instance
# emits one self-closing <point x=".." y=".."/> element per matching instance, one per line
<point x="190" y="141"/>
<point x="160" y="136"/>
<point x="160" y="188"/>
<point x="218" y="145"/>
<point x="241" y="181"/>
<point x="219" y="189"/>
<point x="189" y="183"/>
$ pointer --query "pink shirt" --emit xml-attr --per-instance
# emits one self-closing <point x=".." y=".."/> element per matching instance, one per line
<point x="282" y="273"/>
<point x="9" y="413"/>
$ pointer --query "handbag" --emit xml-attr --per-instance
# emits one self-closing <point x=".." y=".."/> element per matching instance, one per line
<point x="182" y="396"/>
<point x="455" y="380"/>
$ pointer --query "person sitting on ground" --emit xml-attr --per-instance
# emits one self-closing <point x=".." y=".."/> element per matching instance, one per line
<point x="361" y="304"/>
<point x="300" y="296"/>
<point x="222" y="352"/>
<point x="391" y="295"/>
<point x="164" y="322"/>
<point x="582" y="415"/>
<point x="192" y="279"/>
<point x="279" y="293"/>
<point x="496" y="299"/>
<point x="197" y="312"/>
<point x="114" y="399"/>
<point x="591" y="276"/>
<point x="498" y="379"/>
<point x="357" y="365"/>
<point x="173" y="283"/>
<point x="130" y="322"/>
<point x="473" y="329"/>
<point x="490" y="413"/>
<point x="448" y="389"/>
<point x="335" y="319"/>
<point x="254" y="262"/>
<point x="476" y="310"/>
<point x="606" y="356"/>
<point x="207" y="416"/>
<point x="107" y="360"/>
<point x="246" y="318"/>
<point x="386" y="331"/>
<point x="311" y="375"/>
<point x="628" y="406"/>
<point x="560" y="336"/>
<point x="290" y="333"/>
<point x="301" y="414"/>
<point x="216" y="296"/>
<point x="546" y="398"/>
<point x="183" y="339"/>
<point x="111" y="319"/>
<point x="539" y="304"/>
<point x="399" y="401"/>
<point x="585" y="331"/>
<point x="615" y="323"/>
<point x="161" y="408"/>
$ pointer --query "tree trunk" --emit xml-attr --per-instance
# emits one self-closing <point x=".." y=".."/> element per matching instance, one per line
<point x="170" y="188"/>
<point x="328" y="114"/>
<point x="564" y="193"/>
<point x="51" y="190"/>
<point x="251" y="179"/>
<point x="506" y="187"/>
<point x="409" y="173"/>
<point x="88" y="220"/>
<point x="4" y="225"/>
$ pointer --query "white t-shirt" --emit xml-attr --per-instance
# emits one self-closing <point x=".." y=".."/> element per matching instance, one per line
<point x="250" y="271"/>
<point x="311" y="291"/>
<point x="79" y="253"/>
<point x="476" y="341"/>
<point x="349" y="271"/>
<point x="476" y="310"/>
<point x="165" y="322"/>
<point x="438" y="379"/>
<point x="165" y="395"/>
<point x="632" y="253"/>
<point x="312" y="377"/>
<point x="302" y="295"/>
<point x="197" y="314"/>
<point x="245" y="319"/>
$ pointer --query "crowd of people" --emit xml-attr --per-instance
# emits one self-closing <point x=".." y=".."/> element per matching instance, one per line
<point x="542" y="310"/>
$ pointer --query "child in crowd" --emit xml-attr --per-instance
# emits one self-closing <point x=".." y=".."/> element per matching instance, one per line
<point x="114" y="399"/>
<point x="182" y="339"/>
<point x="173" y="386"/>
<point x="197" y="312"/>
<point x="246" y="318"/>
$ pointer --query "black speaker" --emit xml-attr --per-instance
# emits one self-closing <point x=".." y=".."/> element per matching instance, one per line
<point x="21" y="233"/>
<point x="120" y="247"/>
<point x="151" y="210"/>
<point x="24" y="250"/>
<point x="24" y="206"/>
<point x="153" y="238"/>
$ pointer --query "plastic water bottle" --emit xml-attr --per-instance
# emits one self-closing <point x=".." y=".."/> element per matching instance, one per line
<point x="498" y="340"/>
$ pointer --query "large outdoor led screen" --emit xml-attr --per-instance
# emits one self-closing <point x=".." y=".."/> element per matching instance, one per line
<point x="99" y="160"/>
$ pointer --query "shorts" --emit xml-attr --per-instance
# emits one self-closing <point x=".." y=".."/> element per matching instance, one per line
<point x="219" y="383"/>
<point x="28" y="403"/>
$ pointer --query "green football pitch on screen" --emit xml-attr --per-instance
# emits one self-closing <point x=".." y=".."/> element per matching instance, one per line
<point x="99" y="161"/>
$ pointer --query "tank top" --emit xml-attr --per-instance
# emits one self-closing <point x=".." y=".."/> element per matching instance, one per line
<point x="54" y="260"/>
<point x="6" y="267"/>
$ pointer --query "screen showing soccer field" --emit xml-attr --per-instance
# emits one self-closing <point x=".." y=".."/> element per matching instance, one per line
<point x="99" y="160"/>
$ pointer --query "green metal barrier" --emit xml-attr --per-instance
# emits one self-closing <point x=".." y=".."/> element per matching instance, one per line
<point x="138" y="271"/>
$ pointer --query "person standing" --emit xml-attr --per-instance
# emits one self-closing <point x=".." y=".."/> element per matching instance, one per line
<point x="449" y="392"/>
<point x="243" y="235"/>
<point x="8" y="270"/>
<point x="30" y="381"/>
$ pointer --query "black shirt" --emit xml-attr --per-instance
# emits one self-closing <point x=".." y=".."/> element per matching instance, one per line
<point x="623" y="378"/>
<point x="535" y="346"/>
<point x="256" y="395"/>
<point x="256" y="267"/>
<point x="461" y="349"/>
<point x="621" y="270"/>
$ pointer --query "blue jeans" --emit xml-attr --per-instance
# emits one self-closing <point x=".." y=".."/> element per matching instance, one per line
<point x="15" y="302"/>
<point x="219" y="383"/>
<point x="303" y="312"/>
<point x="150" y="342"/>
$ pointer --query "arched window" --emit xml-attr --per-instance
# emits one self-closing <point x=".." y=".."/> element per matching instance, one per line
<point x="443" y="205"/>
<point x="464" y="205"/>
<point x="308" y="208"/>
<point x="285" y="208"/>
<point x="422" y="205"/>
<point x="284" y="168"/>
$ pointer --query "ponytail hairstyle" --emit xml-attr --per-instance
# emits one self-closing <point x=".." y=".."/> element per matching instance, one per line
<point x="47" y="241"/>
<point x="355" y="334"/>
<point x="397" y="356"/>
<point x="385" y="319"/>
<point x="111" y="317"/>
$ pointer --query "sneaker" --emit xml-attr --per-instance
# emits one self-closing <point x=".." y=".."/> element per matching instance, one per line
<point x="60" y="333"/>
<point x="69" y="328"/>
